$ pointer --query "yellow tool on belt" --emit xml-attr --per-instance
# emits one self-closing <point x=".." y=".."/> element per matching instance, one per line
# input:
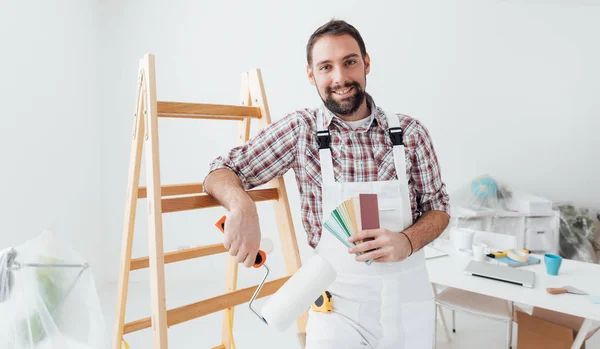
<point x="323" y="303"/>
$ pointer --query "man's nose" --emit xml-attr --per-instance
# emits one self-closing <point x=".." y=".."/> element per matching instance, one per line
<point x="339" y="76"/>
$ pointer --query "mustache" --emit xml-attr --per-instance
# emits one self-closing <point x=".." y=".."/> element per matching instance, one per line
<point x="346" y="85"/>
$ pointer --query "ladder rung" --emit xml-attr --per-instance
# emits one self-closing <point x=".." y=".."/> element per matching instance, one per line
<point x="204" y="200"/>
<point x="192" y="311"/>
<point x="174" y="189"/>
<point x="206" y="111"/>
<point x="182" y="255"/>
<point x="220" y="347"/>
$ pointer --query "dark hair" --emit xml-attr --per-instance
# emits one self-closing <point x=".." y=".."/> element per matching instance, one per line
<point x="334" y="27"/>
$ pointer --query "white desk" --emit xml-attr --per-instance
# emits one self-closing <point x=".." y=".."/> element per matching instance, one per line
<point x="448" y="271"/>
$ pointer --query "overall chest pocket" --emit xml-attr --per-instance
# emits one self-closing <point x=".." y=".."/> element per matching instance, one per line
<point x="391" y="208"/>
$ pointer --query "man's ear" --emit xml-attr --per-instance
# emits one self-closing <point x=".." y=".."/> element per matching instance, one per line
<point x="367" y="63"/>
<point x="311" y="76"/>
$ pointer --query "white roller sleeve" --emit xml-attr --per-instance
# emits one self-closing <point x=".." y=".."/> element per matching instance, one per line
<point x="298" y="293"/>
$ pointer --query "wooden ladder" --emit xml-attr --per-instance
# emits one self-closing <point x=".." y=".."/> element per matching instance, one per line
<point x="183" y="197"/>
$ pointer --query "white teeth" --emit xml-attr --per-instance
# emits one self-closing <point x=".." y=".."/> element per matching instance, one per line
<point x="342" y="91"/>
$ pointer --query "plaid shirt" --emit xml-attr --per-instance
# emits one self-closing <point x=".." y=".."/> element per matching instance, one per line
<point x="362" y="155"/>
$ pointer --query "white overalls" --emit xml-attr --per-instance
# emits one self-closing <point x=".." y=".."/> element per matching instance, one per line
<point x="381" y="305"/>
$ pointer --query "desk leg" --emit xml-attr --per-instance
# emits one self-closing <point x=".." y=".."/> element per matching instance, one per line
<point x="438" y="309"/>
<point x="586" y="326"/>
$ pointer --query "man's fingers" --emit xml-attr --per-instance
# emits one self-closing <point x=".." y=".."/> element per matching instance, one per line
<point x="366" y="246"/>
<point x="378" y="253"/>
<point x="233" y="244"/>
<point x="365" y="234"/>
<point x="241" y="256"/>
<point x="363" y="246"/>
<point x="382" y="259"/>
<point x="249" y="261"/>
<point x="234" y="249"/>
<point x="228" y="242"/>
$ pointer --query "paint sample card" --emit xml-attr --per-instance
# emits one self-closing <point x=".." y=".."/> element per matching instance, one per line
<point x="352" y="216"/>
<point x="369" y="211"/>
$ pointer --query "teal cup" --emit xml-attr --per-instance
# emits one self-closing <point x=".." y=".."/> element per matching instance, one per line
<point x="553" y="263"/>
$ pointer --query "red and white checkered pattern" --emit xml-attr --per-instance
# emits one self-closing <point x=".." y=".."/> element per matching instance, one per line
<point x="362" y="155"/>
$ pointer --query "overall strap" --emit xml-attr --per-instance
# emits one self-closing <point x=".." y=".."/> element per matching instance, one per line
<point x="324" y="140"/>
<point x="396" y="135"/>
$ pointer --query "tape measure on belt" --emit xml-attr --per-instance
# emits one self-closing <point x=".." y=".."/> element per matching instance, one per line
<point x="323" y="303"/>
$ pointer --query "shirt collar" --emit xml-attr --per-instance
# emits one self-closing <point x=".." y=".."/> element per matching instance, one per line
<point x="328" y="115"/>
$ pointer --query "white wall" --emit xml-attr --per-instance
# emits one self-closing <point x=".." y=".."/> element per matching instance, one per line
<point x="50" y="136"/>
<point x="505" y="87"/>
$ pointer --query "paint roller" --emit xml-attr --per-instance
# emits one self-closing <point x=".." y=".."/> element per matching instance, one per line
<point x="297" y="294"/>
<point x="261" y="258"/>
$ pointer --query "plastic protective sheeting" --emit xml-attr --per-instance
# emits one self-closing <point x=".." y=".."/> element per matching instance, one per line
<point x="484" y="203"/>
<point x="48" y="298"/>
<point x="579" y="233"/>
<point x="484" y="193"/>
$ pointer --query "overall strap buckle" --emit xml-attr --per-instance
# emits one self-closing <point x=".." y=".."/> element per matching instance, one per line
<point x="396" y="135"/>
<point x="323" y="139"/>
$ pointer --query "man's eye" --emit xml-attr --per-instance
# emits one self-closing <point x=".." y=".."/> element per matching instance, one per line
<point x="351" y="62"/>
<point x="325" y="67"/>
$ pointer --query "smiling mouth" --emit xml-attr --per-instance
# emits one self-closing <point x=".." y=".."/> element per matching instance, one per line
<point x="343" y="92"/>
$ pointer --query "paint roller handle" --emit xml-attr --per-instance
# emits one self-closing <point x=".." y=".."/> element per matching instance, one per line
<point x="261" y="257"/>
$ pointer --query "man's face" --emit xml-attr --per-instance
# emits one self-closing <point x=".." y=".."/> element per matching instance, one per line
<point x="339" y="73"/>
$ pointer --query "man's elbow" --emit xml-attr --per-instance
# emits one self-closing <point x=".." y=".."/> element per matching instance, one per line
<point x="440" y="219"/>
<point x="445" y="221"/>
<point x="220" y="176"/>
<point x="442" y="216"/>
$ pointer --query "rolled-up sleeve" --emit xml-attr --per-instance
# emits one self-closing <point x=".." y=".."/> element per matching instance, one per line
<point x="430" y="188"/>
<point x="268" y="155"/>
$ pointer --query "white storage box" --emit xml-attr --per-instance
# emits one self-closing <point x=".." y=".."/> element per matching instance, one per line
<point x="529" y="204"/>
<point x="541" y="234"/>
<point x="507" y="225"/>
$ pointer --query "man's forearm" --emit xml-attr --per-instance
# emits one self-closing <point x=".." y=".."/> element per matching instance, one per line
<point x="225" y="186"/>
<point x="427" y="228"/>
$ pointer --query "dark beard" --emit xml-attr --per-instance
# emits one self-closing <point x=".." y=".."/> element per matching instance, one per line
<point x="347" y="106"/>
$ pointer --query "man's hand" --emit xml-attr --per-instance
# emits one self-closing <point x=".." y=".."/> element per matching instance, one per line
<point x="242" y="234"/>
<point x="387" y="246"/>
